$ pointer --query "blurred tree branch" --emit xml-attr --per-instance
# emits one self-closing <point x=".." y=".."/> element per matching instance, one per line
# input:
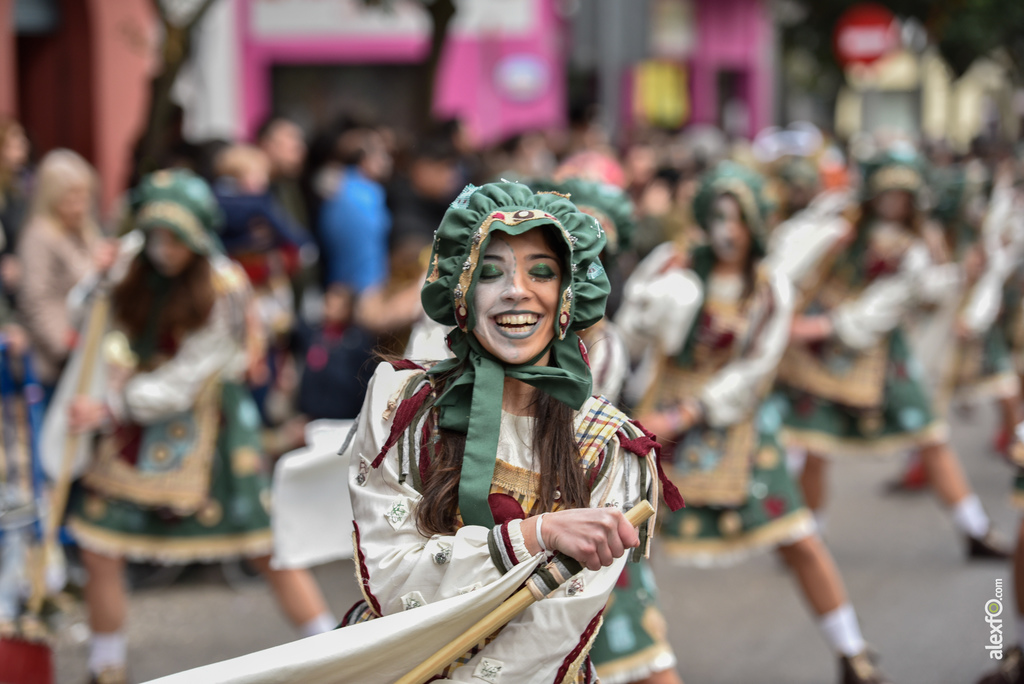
<point x="157" y="138"/>
<point x="178" y="18"/>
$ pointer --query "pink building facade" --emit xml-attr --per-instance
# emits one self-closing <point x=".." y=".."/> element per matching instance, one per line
<point x="502" y="71"/>
<point x="733" y="60"/>
<point x="103" y="118"/>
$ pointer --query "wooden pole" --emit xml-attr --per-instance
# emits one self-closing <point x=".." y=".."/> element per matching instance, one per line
<point x="513" y="606"/>
<point x="59" y="496"/>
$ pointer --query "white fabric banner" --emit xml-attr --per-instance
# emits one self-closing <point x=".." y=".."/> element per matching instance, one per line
<point x="312" y="518"/>
<point x="375" y="652"/>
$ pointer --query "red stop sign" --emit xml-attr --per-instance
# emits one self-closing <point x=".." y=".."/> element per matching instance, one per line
<point x="865" y="33"/>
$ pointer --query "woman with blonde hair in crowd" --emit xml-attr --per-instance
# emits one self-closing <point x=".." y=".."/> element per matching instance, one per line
<point x="61" y="244"/>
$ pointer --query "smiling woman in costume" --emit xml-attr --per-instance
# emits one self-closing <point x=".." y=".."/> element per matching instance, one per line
<point x="719" y="322"/>
<point x="499" y="456"/>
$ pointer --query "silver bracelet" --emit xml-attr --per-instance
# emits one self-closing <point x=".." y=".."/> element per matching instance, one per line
<point x="540" y="538"/>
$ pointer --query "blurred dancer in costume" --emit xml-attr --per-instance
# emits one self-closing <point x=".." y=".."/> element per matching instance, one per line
<point x="632" y="645"/>
<point x="720" y="322"/>
<point x="853" y="384"/>
<point x="177" y="474"/>
<point x="962" y="340"/>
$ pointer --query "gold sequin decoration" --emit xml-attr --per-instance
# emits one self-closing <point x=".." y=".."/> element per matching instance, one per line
<point x="245" y="461"/>
<point x="767" y="458"/>
<point x="177" y="430"/>
<point x="210" y="514"/>
<point x="730" y="524"/>
<point x="161" y="453"/>
<point x="95" y="507"/>
<point x="690" y="526"/>
<point x="870" y="423"/>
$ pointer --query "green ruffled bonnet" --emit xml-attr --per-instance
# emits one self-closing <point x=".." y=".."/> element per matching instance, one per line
<point x="182" y="202"/>
<point x="471" y="399"/>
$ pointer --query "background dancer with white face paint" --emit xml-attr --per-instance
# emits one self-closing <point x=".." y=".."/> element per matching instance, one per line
<point x="852" y="380"/>
<point x="706" y="402"/>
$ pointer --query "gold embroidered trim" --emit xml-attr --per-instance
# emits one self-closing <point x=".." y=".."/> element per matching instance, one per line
<point x="177" y="215"/>
<point x="861" y="386"/>
<point x="823" y="444"/>
<point x="574" y="669"/>
<point x="728" y="482"/>
<point x="789" y="528"/>
<point x="515" y="479"/>
<point x="171" y="549"/>
<point x="745" y="196"/>
<point x="469" y="265"/>
<point x="183" y="490"/>
<point x="895" y="178"/>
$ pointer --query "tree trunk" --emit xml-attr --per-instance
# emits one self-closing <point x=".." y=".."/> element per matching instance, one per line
<point x="155" y="143"/>
<point x="441" y="14"/>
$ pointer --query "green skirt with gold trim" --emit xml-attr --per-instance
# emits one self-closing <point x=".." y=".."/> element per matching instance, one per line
<point x="905" y="419"/>
<point x="233" y="520"/>
<point x="772" y="515"/>
<point x="633" y="641"/>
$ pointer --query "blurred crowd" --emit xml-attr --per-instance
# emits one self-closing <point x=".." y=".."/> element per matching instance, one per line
<point x="333" y="230"/>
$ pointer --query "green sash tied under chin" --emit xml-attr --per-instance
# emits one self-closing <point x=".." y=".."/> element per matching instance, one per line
<point x="471" y="404"/>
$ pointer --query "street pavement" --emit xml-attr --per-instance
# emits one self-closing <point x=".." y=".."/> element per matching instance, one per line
<point x="921" y="605"/>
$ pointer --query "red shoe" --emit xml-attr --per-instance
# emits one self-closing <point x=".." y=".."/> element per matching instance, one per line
<point x="1001" y="444"/>
<point x="914" y="479"/>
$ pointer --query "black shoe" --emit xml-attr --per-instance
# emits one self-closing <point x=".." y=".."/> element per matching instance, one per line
<point x="1010" y="670"/>
<point x="860" y="669"/>
<point x="988" y="547"/>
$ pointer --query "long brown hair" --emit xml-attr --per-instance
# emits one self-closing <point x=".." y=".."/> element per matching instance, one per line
<point x="556" y="455"/>
<point x="186" y="306"/>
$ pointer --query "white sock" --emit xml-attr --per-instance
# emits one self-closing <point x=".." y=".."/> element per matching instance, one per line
<point x="324" y="622"/>
<point x="1020" y="631"/>
<point x="842" y="631"/>
<point x="970" y="517"/>
<point x="820" y="521"/>
<point x="107" y="649"/>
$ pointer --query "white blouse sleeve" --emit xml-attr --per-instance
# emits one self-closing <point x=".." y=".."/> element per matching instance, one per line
<point x="799" y="244"/>
<point x="997" y="226"/>
<point x="404" y="567"/>
<point x="659" y="304"/>
<point x="553" y="635"/>
<point x="735" y="391"/>
<point x="609" y="362"/>
<point x="862" y="321"/>
<point x="986" y="297"/>
<point x="173" y="387"/>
